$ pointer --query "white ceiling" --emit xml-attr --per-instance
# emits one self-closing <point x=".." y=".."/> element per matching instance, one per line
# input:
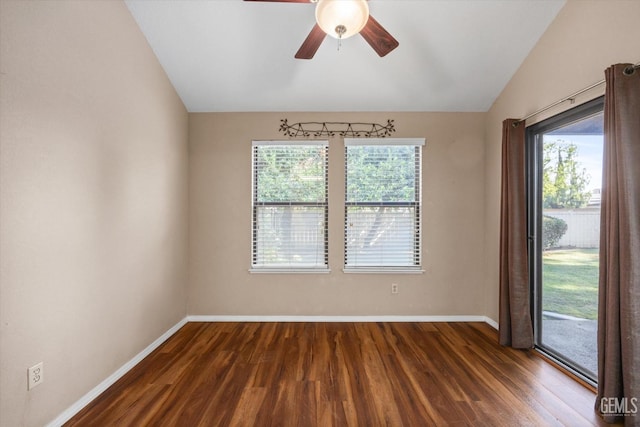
<point x="232" y="55"/>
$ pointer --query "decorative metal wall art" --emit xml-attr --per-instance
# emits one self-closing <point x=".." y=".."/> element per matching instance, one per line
<point x="329" y="129"/>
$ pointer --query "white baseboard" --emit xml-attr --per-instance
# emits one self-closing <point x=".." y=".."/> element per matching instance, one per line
<point x="234" y="318"/>
<point x="96" y="391"/>
<point x="489" y="321"/>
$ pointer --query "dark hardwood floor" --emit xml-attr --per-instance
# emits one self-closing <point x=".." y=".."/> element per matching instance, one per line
<point x="341" y="374"/>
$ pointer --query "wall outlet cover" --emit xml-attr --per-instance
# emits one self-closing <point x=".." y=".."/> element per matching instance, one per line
<point x="35" y="375"/>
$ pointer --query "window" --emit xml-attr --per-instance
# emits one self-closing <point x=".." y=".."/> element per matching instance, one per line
<point x="382" y="204"/>
<point x="290" y="208"/>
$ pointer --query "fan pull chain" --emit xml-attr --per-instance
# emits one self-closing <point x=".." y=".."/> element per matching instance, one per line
<point x="340" y="30"/>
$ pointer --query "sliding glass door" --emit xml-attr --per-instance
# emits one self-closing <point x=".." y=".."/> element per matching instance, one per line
<point x="565" y="176"/>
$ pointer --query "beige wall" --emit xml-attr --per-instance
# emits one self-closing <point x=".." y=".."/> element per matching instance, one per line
<point x="584" y="39"/>
<point x="93" y="187"/>
<point x="220" y="223"/>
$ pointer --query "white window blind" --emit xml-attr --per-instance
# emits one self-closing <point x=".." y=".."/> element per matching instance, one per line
<point x="290" y="205"/>
<point x="383" y="203"/>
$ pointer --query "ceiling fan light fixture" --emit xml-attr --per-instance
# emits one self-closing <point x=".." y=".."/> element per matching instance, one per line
<point x="342" y="19"/>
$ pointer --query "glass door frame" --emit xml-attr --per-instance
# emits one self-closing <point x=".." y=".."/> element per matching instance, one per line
<point x="534" y="156"/>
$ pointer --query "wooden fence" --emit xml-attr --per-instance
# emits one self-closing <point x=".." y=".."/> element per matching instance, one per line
<point x="583" y="226"/>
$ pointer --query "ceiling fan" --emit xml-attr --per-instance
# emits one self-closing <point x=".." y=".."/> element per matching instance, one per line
<point x="342" y="19"/>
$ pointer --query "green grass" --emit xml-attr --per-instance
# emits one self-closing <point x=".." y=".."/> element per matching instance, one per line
<point x="570" y="282"/>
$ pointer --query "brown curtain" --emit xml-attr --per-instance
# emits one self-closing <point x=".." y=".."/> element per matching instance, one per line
<point x="619" y="286"/>
<point x="516" y="329"/>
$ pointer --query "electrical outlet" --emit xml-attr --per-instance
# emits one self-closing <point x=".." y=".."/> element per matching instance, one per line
<point x="35" y="375"/>
<point x="394" y="288"/>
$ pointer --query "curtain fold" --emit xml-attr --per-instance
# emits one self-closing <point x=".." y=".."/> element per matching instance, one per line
<point x="516" y="327"/>
<point x="619" y="282"/>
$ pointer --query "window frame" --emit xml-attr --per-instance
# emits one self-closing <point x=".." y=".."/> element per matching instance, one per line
<point x="416" y="267"/>
<point x="256" y="205"/>
<point x="534" y="155"/>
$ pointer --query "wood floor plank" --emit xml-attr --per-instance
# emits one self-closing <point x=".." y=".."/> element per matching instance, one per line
<point x="245" y="414"/>
<point x="340" y="374"/>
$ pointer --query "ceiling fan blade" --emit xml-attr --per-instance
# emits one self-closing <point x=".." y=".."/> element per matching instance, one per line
<point x="379" y="38"/>
<point x="311" y="43"/>
<point x="283" y="1"/>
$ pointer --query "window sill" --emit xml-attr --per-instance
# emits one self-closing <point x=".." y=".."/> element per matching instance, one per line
<point x="382" y="270"/>
<point x="289" y="270"/>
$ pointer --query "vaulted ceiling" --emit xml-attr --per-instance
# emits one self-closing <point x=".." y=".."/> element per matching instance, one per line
<point x="234" y="55"/>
